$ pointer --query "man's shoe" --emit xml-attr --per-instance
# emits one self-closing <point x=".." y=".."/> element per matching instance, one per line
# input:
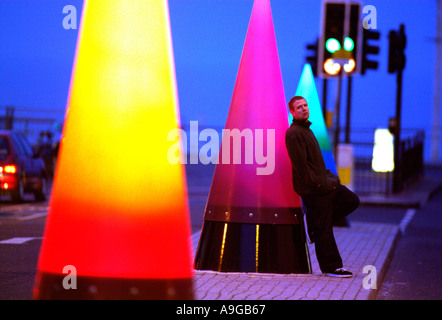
<point x="339" y="273"/>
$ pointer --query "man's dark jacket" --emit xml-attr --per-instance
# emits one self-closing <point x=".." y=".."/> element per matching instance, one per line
<point x="309" y="173"/>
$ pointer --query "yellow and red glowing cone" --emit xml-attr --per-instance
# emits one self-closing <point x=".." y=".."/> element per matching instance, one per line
<point x="118" y="213"/>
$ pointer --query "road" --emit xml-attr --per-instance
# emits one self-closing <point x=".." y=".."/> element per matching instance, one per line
<point x="414" y="272"/>
<point x="21" y="231"/>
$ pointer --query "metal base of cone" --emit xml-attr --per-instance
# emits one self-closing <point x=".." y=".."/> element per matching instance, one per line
<point x="263" y="248"/>
<point x="50" y="287"/>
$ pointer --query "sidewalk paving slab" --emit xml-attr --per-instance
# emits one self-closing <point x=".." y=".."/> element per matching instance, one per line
<point x="361" y="244"/>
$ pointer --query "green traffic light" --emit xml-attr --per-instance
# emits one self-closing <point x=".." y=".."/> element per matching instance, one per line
<point x="332" y="45"/>
<point x="349" y="45"/>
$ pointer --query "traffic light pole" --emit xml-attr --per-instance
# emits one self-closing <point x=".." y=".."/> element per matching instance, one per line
<point x="338" y="116"/>
<point x="324" y="98"/>
<point x="348" y="110"/>
<point x="396" y="63"/>
<point x="397" y="135"/>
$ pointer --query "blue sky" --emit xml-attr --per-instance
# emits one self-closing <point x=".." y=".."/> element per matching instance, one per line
<point x="37" y="53"/>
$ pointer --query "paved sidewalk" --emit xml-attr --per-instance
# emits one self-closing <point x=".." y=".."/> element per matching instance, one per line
<point x="361" y="244"/>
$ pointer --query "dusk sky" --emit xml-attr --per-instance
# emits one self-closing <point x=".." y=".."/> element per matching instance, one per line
<point x="37" y="54"/>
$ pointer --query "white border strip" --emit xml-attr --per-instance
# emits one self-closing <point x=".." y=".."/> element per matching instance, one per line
<point x="406" y="220"/>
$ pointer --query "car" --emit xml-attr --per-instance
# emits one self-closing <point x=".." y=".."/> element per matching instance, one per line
<point x="21" y="169"/>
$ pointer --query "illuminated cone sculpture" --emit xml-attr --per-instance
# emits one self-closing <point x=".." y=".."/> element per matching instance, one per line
<point x="118" y="221"/>
<point x="307" y="89"/>
<point x="253" y="220"/>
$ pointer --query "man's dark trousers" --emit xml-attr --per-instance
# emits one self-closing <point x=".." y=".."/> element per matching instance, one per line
<point x="322" y="211"/>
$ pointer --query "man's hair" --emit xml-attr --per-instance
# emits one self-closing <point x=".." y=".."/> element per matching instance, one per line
<point x="295" y="98"/>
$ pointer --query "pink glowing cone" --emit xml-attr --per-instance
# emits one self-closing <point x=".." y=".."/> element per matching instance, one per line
<point x="258" y="102"/>
<point x="252" y="208"/>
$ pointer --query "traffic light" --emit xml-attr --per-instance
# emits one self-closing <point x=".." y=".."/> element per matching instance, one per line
<point x="397" y="41"/>
<point x="312" y="59"/>
<point x="339" y="43"/>
<point x="368" y="48"/>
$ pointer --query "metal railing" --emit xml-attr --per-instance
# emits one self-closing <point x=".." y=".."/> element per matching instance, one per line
<point x="411" y="164"/>
<point x="408" y="170"/>
<point x="29" y="122"/>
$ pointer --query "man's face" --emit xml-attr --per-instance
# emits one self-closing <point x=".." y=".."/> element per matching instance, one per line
<point x="300" y="110"/>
